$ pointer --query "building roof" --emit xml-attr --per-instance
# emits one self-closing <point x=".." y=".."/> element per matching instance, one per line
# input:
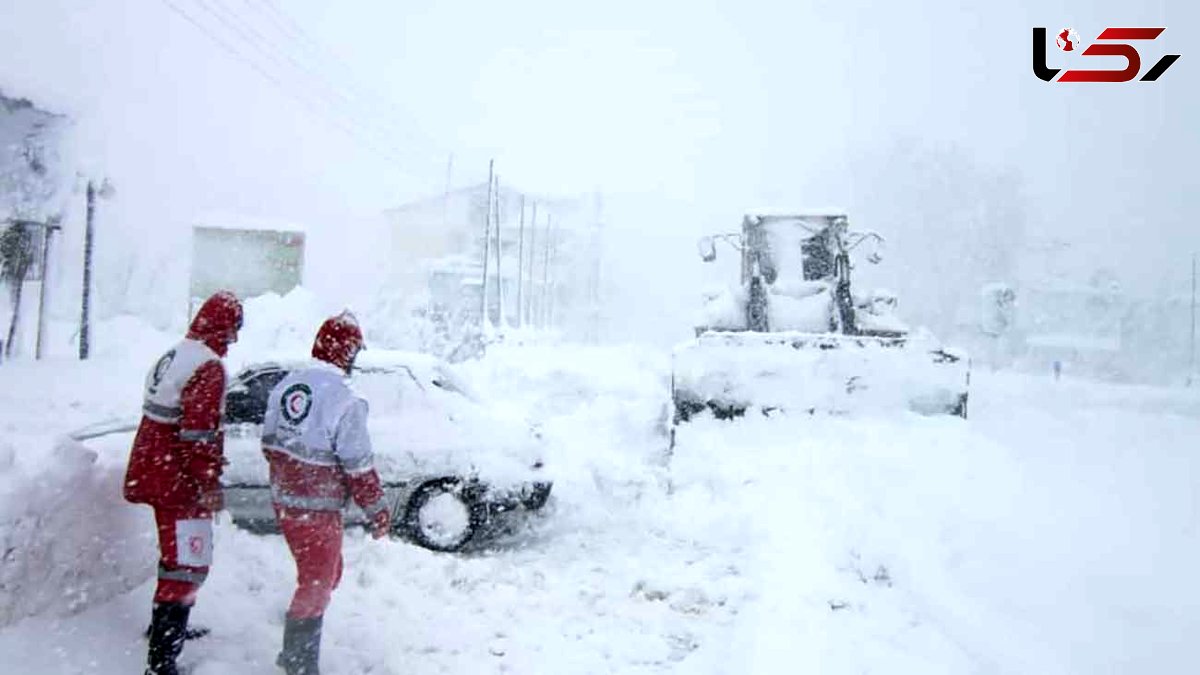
<point x="465" y="191"/>
<point x="232" y="221"/>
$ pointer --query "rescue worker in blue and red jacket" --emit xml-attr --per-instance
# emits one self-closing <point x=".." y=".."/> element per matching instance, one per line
<point x="316" y="442"/>
<point x="175" y="467"/>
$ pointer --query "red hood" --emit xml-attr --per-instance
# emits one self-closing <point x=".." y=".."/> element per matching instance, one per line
<point x="218" y="321"/>
<point x="338" y="341"/>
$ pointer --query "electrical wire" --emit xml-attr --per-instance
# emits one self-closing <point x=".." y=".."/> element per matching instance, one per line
<point x="288" y="26"/>
<point x="380" y="122"/>
<point x="314" y="107"/>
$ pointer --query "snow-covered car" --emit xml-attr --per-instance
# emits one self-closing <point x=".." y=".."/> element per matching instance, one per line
<point x="449" y="463"/>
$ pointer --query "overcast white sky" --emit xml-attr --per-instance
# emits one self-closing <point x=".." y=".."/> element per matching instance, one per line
<point x="714" y="106"/>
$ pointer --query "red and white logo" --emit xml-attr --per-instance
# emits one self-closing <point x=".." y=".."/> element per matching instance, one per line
<point x="1067" y="40"/>
<point x="296" y="403"/>
<point x="196" y="545"/>
<point x="1110" y="42"/>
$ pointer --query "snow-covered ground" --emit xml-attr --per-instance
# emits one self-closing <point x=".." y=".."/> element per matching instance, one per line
<point x="1055" y="531"/>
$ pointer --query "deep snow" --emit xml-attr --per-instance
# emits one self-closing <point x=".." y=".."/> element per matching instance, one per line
<point x="1055" y="531"/>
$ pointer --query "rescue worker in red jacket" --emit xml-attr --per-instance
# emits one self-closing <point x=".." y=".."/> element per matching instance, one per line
<point x="175" y="467"/>
<point x="316" y="442"/>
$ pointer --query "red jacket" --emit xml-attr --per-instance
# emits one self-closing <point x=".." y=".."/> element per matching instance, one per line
<point x="177" y="453"/>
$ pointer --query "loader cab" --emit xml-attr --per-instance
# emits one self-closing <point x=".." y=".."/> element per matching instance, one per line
<point x="796" y="246"/>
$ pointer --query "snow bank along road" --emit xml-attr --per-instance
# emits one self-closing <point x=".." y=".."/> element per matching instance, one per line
<point x="1053" y="532"/>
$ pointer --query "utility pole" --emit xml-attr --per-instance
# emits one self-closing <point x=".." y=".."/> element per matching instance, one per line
<point x="499" y="249"/>
<point x="546" y="276"/>
<point x="531" y="300"/>
<point x="487" y="242"/>
<point x="597" y="253"/>
<point x="48" y="229"/>
<point x="446" y="194"/>
<point x="88" y="240"/>
<point x="521" y="268"/>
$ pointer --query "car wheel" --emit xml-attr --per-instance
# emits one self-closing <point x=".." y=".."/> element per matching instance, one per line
<point x="442" y="516"/>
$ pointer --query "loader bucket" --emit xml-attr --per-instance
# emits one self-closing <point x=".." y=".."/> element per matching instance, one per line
<point x="733" y="373"/>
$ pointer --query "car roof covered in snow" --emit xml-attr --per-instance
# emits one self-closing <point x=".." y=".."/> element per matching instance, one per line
<point x="425" y="367"/>
<point x="383" y="359"/>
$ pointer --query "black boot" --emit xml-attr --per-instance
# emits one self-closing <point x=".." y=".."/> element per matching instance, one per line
<point x="168" y="628"/>
<point x="301" y="646"/>
<point x="192" y="632"/>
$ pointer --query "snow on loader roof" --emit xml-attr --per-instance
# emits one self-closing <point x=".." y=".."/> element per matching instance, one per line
<point x="815" y="212"/>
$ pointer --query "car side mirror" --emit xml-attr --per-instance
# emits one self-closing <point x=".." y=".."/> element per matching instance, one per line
<point x="707" y="249"/>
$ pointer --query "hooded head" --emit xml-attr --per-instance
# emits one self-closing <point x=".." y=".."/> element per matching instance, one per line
<point x="218" y="322"/>
<point x="339" y="341"/>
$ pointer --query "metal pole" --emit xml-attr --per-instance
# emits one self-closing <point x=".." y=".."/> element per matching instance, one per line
<point x="552" y="289"/>
<point x="597" y="252"/>
<point x="487" y="242"/>
<point x="531" y="299"/>
<point x="499" y="250"/>
<point x="546" y="276"/>
<point x="89" y="235"/>
<point x="521" y="267"/>
<point x="48" y="231"/>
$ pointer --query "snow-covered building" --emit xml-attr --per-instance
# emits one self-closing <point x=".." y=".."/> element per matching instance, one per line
<point x="533" y="276"/>
<point x="1078" y="325"/>
<point x="1096" y="329"/>
<point x="249" y="256"/>
<point x="1157" y="338"/>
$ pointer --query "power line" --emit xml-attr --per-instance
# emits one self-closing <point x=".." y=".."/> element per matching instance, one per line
<point x="286" y="24"/>
<point x="246" y="29"/>
<point x="248" y="37"/>
<point x="237" y="55"/>
<point x="385" y="109"/>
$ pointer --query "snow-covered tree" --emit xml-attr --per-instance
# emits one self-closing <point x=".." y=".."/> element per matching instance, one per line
<point x="16" y="257"/>
<point x="953" y="224"/>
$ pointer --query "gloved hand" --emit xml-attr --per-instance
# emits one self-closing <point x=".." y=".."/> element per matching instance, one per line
<point x="380" y="524"/>
<point x="212" y="499"/>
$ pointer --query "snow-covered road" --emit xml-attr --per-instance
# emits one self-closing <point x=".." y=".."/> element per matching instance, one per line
<point x="1053" y="532"/>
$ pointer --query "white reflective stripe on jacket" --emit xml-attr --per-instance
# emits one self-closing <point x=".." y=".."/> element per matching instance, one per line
<point x="163" y="392"/>
<point x="313" y="416"/>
